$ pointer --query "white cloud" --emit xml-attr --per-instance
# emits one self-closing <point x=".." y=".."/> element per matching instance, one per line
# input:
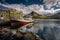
<point x="51" y="2"/>
<point x="27" y="9"/>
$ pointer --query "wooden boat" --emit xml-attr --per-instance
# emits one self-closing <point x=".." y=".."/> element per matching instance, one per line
<point x="20" y="22"/>
<point x="15" y="23"/>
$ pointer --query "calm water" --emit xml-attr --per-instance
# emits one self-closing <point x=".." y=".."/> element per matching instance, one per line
<point x="47" y="29"/>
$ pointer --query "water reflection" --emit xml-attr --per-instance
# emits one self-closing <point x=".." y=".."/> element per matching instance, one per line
<point x="48" y="29"/>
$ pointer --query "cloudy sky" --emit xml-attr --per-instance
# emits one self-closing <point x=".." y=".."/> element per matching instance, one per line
<point x="26" y="2"/>
<point x="26" y="6"/>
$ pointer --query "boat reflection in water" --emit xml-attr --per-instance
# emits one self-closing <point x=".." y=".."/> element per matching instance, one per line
<point x="20" y="22"/>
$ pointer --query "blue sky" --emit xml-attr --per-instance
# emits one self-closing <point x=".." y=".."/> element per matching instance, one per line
<point x="25" y="2"/>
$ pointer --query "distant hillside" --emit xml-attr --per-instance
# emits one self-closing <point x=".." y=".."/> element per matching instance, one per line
<point x="36" y="15"/>
<point x="7" y="13"/>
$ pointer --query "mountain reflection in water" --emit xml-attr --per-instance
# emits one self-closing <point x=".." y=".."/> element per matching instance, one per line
<point x="48" y="29"/>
